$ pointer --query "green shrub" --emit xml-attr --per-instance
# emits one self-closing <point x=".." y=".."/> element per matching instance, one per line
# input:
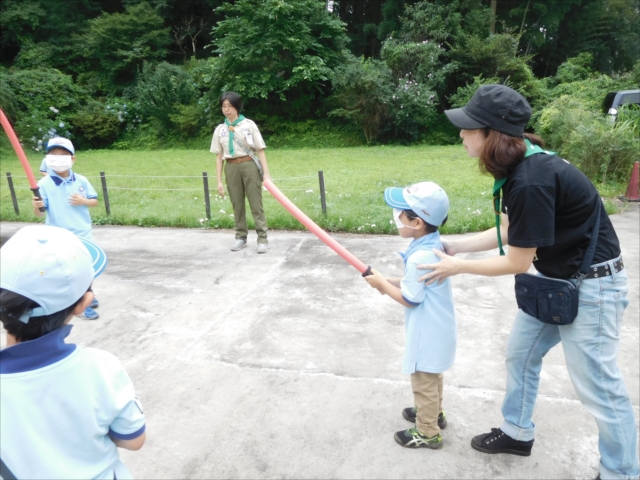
<point x="46" y="98"/>
<point x="366" y="94"/>
<point x="161" y="90"/>
<point x="309" y="134"/>
<point x="560" y="118"/>
<point x="630" y="114"/>
<point x="362" y="90"/>
<point x="97" y="125"/>
<point x="604" y="152"/>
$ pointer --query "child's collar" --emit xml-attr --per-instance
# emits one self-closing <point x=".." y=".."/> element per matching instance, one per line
<point x="423" y="243"/>
<point x="38" y="353"/>
<point x="58" y="180"/>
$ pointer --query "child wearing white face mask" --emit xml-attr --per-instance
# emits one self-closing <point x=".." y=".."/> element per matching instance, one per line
<point x="430" y="320"/>
<point x="66" y="197"/>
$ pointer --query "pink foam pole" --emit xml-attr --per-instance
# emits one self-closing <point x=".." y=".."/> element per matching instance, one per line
<point x="21" y="156"/>
<point x="18" y="148"/>
<point x="315" y="229"/>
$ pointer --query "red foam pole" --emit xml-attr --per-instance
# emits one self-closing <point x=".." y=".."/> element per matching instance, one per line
<point x="314" y="228"/>
<point x="18" y="148"/>
<point x="632" y="189"/>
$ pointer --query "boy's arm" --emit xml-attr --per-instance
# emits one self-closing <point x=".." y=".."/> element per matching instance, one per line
<point x="384" y="286"/>
<point x="394" y="281"/>
<point x="133" y="444"/>
<point x="78" y="200"/>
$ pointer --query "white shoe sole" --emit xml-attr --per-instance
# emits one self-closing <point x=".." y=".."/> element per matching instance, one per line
<point x="234" y="249"/>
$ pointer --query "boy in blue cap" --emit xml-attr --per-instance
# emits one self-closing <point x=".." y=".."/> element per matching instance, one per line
<point x="65" y="409"/>
<point x="430" y="320"/>
<point x="67" y="197"/>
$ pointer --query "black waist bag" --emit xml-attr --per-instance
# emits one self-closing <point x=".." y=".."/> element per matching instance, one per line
<point x="550" y="300"/>
<point x="553" y="300"/>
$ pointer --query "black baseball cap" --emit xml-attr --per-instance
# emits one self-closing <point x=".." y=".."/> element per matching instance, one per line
<point x="495" y="106"/>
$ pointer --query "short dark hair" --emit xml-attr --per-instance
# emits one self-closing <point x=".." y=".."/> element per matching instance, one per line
<point x="14" y="305"/>
<point x="411" y="215"/>
<point x="234" y="100"/>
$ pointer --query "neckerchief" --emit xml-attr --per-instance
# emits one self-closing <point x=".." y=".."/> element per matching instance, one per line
<point x="231" y="125"/>
<point x="532" y="149"/>
<point x="422" y="243"/>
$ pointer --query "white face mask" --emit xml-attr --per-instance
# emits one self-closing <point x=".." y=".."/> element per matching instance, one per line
<point x="59" y="163"/>
<point x="396" y="218"/>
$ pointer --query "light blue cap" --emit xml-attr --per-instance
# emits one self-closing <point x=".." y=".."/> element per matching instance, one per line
<point x="61" y="142"/>
<point x="427" y="199"/>
<point x="50" y="266"/>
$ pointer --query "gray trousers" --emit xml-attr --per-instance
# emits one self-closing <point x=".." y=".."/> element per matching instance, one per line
<point x="243" y="179"/>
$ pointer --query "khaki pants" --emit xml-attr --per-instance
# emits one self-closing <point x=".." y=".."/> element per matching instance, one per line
<point x="243" y="179"/>
<point x="427" y="397"/>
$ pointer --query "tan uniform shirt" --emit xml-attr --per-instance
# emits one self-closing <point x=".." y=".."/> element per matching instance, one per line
<point x="246" y="134"/>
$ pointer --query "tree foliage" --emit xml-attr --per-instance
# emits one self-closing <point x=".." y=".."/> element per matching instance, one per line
<point x="117" y="44"/>
<point x="282" y="48"/>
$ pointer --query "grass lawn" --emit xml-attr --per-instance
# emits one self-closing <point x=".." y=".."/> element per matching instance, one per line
<point x="165" y="188"/>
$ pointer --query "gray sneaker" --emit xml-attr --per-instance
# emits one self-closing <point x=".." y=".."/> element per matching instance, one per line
<point x="263" y="247"/>
<point x="239" y="245"/>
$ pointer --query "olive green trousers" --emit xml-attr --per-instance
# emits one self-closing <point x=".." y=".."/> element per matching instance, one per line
<point x="243" y="180"/>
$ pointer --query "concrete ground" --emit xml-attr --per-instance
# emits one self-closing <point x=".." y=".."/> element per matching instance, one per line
<point x="288" y="364"/>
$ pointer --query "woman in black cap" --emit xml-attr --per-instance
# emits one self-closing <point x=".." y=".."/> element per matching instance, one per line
<point x="550" y="211"/>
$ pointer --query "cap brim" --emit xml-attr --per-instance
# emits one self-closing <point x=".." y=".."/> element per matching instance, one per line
<point x="462" y="120"/>
<point x="395" y="199"/>
<point x="98" y="256"/>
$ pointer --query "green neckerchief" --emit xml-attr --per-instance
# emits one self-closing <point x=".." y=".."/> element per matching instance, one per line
<point x="532" y="149"/>
<point x="231" y="125"/>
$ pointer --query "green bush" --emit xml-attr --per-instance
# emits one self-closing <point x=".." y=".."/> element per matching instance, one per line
<point x="162" y="91"/>
<point x="560" y="118"/>
<point x="46" y="98"/>
<point x="309" y="134"/>
<point x="604" y="152"/>
<point x="96" y="125"/>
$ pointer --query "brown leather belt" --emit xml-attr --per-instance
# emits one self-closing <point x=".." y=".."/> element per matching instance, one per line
<point x="239" y="159"/>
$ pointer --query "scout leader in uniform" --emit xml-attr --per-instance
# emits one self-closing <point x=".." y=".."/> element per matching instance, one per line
<point x="239" y="142"/>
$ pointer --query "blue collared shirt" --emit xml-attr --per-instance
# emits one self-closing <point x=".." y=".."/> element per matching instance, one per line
<point x="64" y="402"/>
<point x="55" y="192"/>
<point x="431" y="324"/>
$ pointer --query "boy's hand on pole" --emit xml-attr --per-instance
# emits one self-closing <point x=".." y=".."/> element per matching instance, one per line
<point x="38" y="203"/>
<point x="376" y="280"/>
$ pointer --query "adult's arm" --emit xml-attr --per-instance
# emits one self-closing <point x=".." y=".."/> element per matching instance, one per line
<point x="219" y="173"/>
<point x="517" y="260"/>
<point x="263" y="161"/>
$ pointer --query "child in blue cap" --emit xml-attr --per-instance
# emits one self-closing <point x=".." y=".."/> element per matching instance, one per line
<point x="66" y="197"/>
<point x="430" y="319"/>
<point x="65" y="409"/>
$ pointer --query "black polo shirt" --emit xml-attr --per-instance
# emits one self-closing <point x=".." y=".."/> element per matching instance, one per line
<point x="552" y="206"/>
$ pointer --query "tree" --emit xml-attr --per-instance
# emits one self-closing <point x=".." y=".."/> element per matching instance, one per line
<point x="278" y="49"/>
<point x="161" y="90"/>
<point x="39" y="32"/>
<point x="117" y="44"/>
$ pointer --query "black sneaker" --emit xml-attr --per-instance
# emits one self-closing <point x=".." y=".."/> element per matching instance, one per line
<point x="410" y="413"/>
<point x="412" y="438"/>
<point x="499" y="442"/>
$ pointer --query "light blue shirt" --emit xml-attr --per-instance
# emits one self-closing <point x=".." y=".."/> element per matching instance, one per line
<point x="60" y="405"/>
<point x="431" y="325"/>
<point x="55" y="192"/>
